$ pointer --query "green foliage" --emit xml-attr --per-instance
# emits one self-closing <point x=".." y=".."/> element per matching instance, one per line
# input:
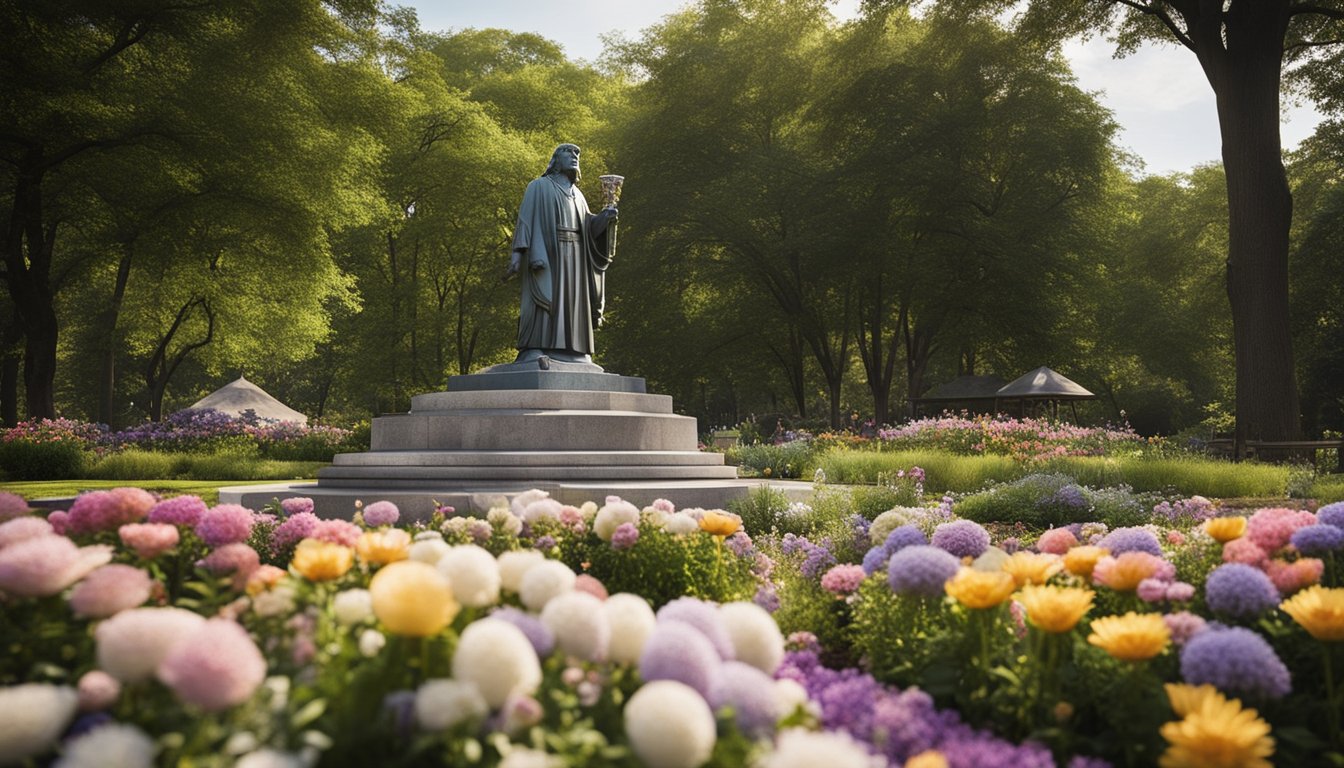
<point x="234" y="465"/>
<point x="1038" y="500"/>
<point x="1328" y="489"/>
<point x="786" y="460"/>
<point x="31" y="460"/>
<point x="943" y="471"/>
<point x="763" y="510"/>
<point x="806" y="607"/>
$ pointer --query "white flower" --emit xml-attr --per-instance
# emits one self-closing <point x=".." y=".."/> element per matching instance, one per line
<point x="790" y="694"/>
<point x="992" y="559"/>
<point x="473" y="574"/>
<point x="588" y="510"/>
<point x="132" y="643"/>
<point x="681" y="524"/>
<point x="521" y="502"/>
<point x="504" y="520"/>
<point x="670" y="726"/>
<point x="632" y="621"/>
<point x="371" y="642"/>
<point x="428" y="536"/>
<point x="442" y="704"/>
<point x="35" y="715"/>
<point x="269" y="758"/>
<point x="612" y="515"/>
<point x="241" y="743"/>
<point x="522" y="757"/>
<point x="543" y="509"/>
<point x="497" y="657"/>
<point x="756" y="636"/>
<point x="514" y="563"/>
<point x="579" y="624"/>
<point x="278" y="601"/>
<point x="114" y="744"/>
<point x="653" y="516"/>
<point x="428" y="550"/>
<point x="799" y="748"/>
<point x="545" y="581"/>
<point x="353" y="606"/>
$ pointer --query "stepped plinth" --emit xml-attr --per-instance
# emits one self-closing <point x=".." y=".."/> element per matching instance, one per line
<point x="569" y="429"/>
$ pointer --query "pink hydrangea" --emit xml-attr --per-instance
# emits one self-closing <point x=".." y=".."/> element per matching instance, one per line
<point x="590" y="584"/>
<point x="843" y="580"/>
<point x="1299" y="574"/>
<point x="1175" y="538"/>
<point x="296" y="505"/>
<point x="237" y="559"/>
<point x="22" y="529"/>
<point x="298" y="527"/>
<point x="625" y="536"/>
<point x="215" y="667"/>
<point x="109" y="590"/>
<point x="149" y="540"/>
<point x="179" y="510"/>
<point x="381" y="513"/>
<point x="1057" y="541"/>
<point x="98" y="691"/>
<point x="1245" y="551"/>
<point x="45" y="565"/>
<point x="1271" y="528"/>
<point x="108" y="510"/>
<point x="59" y="520"/>
<point x="664" y="506"/>
<point x="1152" y="590"/>
<point x="225" y="524"/>
<point x="1183" y="625"/>
<point x="1180" y="591"/>
<point x="341" y="532"/>
<point x="12" y="505"/>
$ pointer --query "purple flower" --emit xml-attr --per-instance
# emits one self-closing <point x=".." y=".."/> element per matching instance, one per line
<point x="677" y="651"/>
<point x="1236" y="661"/>
<point x="1123" y="540"/>
<point x="904" y="536"/>
<point x="1239" y="590"/>
<point x="740" y="544"/>
<point x="225" y="524"/>
<point x="766" y="597"/>
<point x="296" y="505"/>
<point x="876" y="560"/>
<point x="544" y="543"/>
<point x="1318" y="539"/>
<point x="921" y="570"/>
<point x="537" y="633"/>
<point x="704" y="618"/>
<point x="751" y="694"/>
<point x="179" y="510"/>
<point x="624" y="537"/>
<point x="963" y="538"/>
<point x="381" y="513"/>
<point x="1331" y="514"/>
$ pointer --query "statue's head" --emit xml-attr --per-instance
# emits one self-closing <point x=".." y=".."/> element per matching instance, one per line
<point x="565" y="159"/>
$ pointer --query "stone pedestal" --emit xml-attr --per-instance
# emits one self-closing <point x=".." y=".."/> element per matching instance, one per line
<point x="571" y="429"/>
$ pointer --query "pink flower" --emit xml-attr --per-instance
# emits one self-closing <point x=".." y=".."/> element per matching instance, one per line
<point x="664" y="506"/>
<point x="1175" y="538"/>
<point x="624" y="537"/>
<point x="22" y="529"/>
<point x="12" y="505"/>
<point x="179" y="510"/>
<point x="1271" y="528"/>
<point x="59" y="520"/>
<point x="225" y="524"/>
<point x="296" y="505"/>
<point x="843" y="580"/>
<point x="298" y="527"/>
<point x="108" y="510"/>
<point x="381" y="513"/>
<point x="215" y="667"/>
<point x="1183" y="625"/>
<point x="110" y="590"/>
<point x="1152" y="590"/>
<point x="98" y="691"/>
<point x="149" y="540"/>
<point x="1180" y="591"/>
<point x="341" y="532"/>
<point x="237" y="559"/>
<point x="591" y="585"/>
<point x="1243" y="550"/>
<point x="1290" y="577"/>
<point x="45" y="565"/>
<point x="131" y="644"/>
<point x="1056" y="541"/>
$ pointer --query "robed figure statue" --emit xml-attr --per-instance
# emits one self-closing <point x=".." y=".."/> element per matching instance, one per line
<point x="566" y="251"/>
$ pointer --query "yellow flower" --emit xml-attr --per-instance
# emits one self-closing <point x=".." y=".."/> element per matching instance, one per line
<point x="1081" y="560"/>
<point x="980" y="589"/>
<point x="929" y="758"/>
<point x="1132" y="637"/>
<point x="263" y="578"/>
<point x="1125" y="572"/>
<point x="412" y="598"/>
<point x="317" y="560"/>
<point x="1214" y="731"/>
<point x="1225" y="529"/>
<point x="384" y="546"/>
<point x="1056" y="609"/>
<point x="1319" y="610"/>
<point x="720" y="523"/>
<point x="1031" y="568"/>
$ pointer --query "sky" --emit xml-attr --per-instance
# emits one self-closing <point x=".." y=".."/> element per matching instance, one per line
<point x="1160" y="99"/>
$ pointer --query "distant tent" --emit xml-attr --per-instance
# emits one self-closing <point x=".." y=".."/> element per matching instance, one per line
<point x="242" y="395"/>
<point x="1043" y="387"/>
<point x="970" y="393"/>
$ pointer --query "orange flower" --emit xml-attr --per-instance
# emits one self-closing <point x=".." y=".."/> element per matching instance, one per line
<point x="1031" y="568"/>
<point x="980" y="589"/>
<point x="264" y="578"/>
<point x="383" y="546"/>
<point x="1081" y="560"/>
<point x="321" y="560"/>
<point x="1124" y="573"/>
<point x="1225" y="529"/>
<point x="720" y="523"/>
<point x="929" y="758"/>
<point x="412" y="598"/>
<point x="1132" y="637"/>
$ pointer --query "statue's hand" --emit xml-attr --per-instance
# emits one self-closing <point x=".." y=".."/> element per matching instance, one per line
<point x="605" y="217"/>
<point x="515" y="264"/>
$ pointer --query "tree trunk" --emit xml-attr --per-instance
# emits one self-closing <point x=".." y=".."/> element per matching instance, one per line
<point x="27" y="244"/>
<point x="107" y="375"/>
<point x="878" y="355"/>
<point x="9" y="369"/>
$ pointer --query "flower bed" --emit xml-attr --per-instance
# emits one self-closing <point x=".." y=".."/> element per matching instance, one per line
<point x="165" y="631"/>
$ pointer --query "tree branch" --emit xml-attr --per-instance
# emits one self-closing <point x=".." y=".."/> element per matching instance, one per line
<point x="1300" y="9"/>
<point x="129" y="35"/>
<point x="1158" y="13"/>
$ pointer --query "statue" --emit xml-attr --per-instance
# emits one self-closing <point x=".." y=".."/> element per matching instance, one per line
<point x="567" y="250"/>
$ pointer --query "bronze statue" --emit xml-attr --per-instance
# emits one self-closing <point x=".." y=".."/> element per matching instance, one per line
<point x="567" y="250"/>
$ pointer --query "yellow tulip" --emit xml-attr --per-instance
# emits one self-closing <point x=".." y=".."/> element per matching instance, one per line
<point x="412" y="598"/>
<point x="1225" y="529"/>
<point x="318" y="560"/>
<point x="980" y="589"/>
<point x="719" y="523"/>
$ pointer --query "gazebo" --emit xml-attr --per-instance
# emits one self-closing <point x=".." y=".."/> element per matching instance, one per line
<point x="976" y="394"/>
<point x="1043" y="387"/>
<point x="242" y="395"/>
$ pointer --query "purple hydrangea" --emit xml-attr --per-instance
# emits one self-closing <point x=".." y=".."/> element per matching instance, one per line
<point x="1236" y="661"/>
<point x="740" y="544"/>
<point x="677" y="651"/>
<point x="544" y="543"/>
<point x="1331" y="514"/>
<point x="225" y="524"/>
<point x="766" y="597"/>
<point x="297" y="528"/>
<point x="1318" y="539"/>
<point x="541" y="637"/>
<point x="963" y="538"/>
<point x="904" y="536"/>
<point x="625" y="536"/>
<point x="921" y="570"/>
<point x="876" y="560"/>
<point x="704" y="618"/>
<point x="751" y="694"/>
<point x="1123" y="540"/>
<point x="1239" y="590"/>
<point x="817" y="561"/>
<point x="381" y="513"/>
<point x="179" y="510"/>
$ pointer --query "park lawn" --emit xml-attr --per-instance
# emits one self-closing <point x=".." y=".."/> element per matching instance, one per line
<point x="208" y="490"/>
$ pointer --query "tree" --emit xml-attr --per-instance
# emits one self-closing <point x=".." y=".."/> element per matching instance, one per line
<point x="1243" y="47"/>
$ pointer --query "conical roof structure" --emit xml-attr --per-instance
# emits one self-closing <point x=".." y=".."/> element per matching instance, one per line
<point x="966" y="387"/>
<point x="1045" y="384"/>
<point x="242" y="395"/>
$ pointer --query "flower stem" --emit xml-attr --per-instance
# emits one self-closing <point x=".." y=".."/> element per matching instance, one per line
<point x="1331" y="705"/>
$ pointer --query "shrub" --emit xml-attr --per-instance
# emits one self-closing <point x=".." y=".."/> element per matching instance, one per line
<point x="787" y="460"/>
<point x="943" y="471"/>
<point x="24" y="459"/>
<point x="763" y="510"/>
<point x="1040" y="500"/>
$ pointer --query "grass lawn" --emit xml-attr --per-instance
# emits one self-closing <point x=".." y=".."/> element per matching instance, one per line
<point x="208" y="490"/>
